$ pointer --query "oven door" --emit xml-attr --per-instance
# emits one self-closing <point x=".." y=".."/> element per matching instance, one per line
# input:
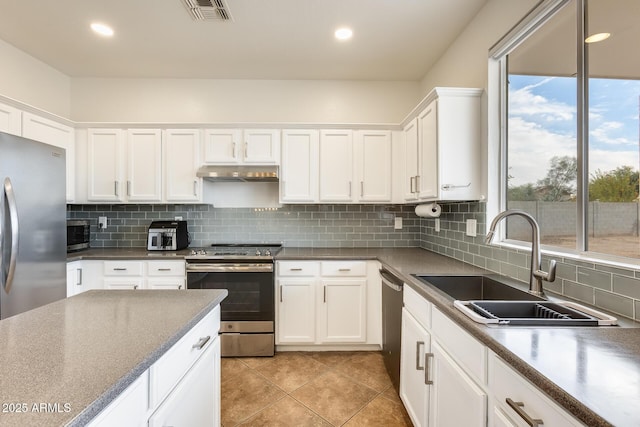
<point x="251" y="288"/>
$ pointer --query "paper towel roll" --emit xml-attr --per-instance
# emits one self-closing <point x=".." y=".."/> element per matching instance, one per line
<point x="428" y="210"/>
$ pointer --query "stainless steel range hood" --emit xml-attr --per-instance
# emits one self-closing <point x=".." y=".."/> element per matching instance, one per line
<point x="239" y="173"/>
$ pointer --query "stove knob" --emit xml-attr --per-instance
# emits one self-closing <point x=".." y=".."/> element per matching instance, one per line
<point x="193" y="252"/>
<point x="202" y="252"/>
<point x="258" y="252"/>
<point x="267" y="252"/>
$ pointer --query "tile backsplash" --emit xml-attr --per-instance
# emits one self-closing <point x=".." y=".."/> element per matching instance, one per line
<point x="612" y="288"/>
<point x="293" y="225"/>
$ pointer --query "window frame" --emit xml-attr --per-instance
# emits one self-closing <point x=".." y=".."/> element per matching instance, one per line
<point x="497" y="132"/>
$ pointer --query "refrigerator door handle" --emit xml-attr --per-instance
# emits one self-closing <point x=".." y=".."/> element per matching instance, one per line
<point x="7" y="275"/>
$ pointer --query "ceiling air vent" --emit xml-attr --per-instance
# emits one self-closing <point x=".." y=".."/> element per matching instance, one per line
<point x="208" y="10"/>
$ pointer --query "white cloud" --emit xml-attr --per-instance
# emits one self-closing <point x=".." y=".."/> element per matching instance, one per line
<point x="602" y="134"/>
<point x="524" y="102"/>
<point x="531" y="148"/>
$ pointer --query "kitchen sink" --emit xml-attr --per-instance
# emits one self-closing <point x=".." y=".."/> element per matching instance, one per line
<point x="533" y="313"/>
<point x="476" y="287"/>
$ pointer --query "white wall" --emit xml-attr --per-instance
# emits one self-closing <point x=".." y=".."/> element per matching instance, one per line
<point x="28" y="80"/>
<point x="465" y="62"/>
<point x="234" y="101"/>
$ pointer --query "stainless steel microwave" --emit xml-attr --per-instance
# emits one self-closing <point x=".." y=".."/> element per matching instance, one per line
<point x="78" y="234"/>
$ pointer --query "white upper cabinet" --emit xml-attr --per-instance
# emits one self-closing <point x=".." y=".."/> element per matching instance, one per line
<point x="181" y="152"/>
<point x="299" y="171"/>
<point x="373" y="166"/>
<point x="235" y="146"/>
<point x="261" y="146"/>
<point x="105" y="158"/>
<point x="445" y="138"/>
<point x="410" y="164"/>
<point x="336" y="166"/>
<point x="10" y="120"/>
<point x="56" y="134"/>
<point x="144" y="165"/>
<point x="222" y="145"/>
<point x="427" y="180"/>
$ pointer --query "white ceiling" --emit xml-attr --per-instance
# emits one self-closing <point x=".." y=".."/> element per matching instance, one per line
<point x="268" y="39"/>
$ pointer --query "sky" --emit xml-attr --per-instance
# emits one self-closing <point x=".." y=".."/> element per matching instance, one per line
<point x="542" y="124"/>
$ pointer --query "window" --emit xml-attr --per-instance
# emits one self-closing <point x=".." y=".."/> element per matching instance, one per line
<point x="570" y="126"/>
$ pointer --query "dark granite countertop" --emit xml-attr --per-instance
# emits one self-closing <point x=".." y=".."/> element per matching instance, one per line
<point x="594" y="373"/>
<point x="80" y="353"/>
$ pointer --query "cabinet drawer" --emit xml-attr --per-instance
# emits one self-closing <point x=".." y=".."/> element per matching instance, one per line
<point x="123" y="268"/>
<point x="171" y="367"/>
<point x="343" y="268"/>
<point x="298" y="268"/>
<point x="505" y="383"/>
<point x="470" y="353"/>
<point x="419" y="307"/>
<point x="164" y="268"/>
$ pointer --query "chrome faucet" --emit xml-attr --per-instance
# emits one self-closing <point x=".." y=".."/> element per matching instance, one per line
<point x="537" y="275"/>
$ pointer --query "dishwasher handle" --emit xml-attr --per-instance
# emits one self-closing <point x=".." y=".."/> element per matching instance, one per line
<point x="391" y="281"/>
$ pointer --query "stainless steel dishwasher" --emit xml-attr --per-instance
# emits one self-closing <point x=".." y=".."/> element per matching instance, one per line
<point x="391" y="324"/>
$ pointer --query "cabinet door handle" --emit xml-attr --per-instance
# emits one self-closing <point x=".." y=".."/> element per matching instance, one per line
<point x="361" y="188"/>
<point x="324" y="291"/>
<point x="234" y="152"/>
<point x="135" y="287"/>
<point x="412" y="183"/>
<point x="195" y="187"/>
<point x="164" y="269"/>
<point x="128" y="188"/>
<point x="115" y="188"/>
<point x="79" y="277"/>
<point x="349" y="189"/>
<point x="246" y="150"/>
<point x="201" y="342"/>
<point x="280" y="289"/>
<point x="344" y="269"/>
<point x="519" y="408"/>
<point x="179" y="287"/>
<point x="295" y="269"/>
<point x="120" y="269"/>
<point x="427" y="379"/>
<point x="418" y="353"/>
<point x="417" y="183"/>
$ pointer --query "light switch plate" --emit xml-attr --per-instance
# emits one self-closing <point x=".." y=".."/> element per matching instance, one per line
<point x="397" y="225"/>
<point x="472" y="225"/>
<point x="437" y="225"/>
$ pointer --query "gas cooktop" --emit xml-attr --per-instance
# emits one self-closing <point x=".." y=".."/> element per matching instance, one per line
<point x="235" y="251"/>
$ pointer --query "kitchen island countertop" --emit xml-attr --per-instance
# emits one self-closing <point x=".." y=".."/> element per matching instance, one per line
<point x="62" y="363"/>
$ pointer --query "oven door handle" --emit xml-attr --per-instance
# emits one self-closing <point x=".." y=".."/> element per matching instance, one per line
<point x="229" y="268"/>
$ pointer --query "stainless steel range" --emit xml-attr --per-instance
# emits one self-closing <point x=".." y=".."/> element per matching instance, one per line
<point x="248" y="312"/>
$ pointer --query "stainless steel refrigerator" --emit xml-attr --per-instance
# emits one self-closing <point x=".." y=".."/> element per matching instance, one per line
<point x="32" y="224"/>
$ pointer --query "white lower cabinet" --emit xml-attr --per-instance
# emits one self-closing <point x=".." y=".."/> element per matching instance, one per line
<point x="84" y="275"/>
<point x="517" y="402"/>
<point x="182" y="388"/>
<point x="414" y="392"/>
<point x="324" y="303"/>
<point x="434" y="388"/>
<point x="456" y="399"/>
<point x="448" y="378"/>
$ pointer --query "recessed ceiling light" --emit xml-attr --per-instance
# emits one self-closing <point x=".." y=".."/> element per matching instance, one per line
<point x="344" y="33"/>
<point x="102" y="29"/>
<point x="597" y="37"/>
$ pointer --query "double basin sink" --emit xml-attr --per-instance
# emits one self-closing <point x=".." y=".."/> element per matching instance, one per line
<point x="489" y="299"/>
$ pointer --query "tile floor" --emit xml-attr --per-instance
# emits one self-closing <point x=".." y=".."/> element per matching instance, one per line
<point x="310" y="389"/>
